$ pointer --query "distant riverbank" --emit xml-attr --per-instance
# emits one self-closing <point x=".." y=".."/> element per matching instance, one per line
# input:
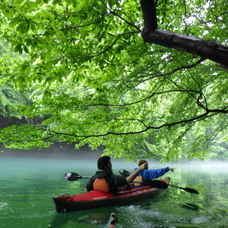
<point x="58" y="150"/>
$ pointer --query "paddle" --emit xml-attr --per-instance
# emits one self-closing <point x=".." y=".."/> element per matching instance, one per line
<point x="161" y="184"/>
<point x="71" y="176"/>
<point x="190" y="190"/>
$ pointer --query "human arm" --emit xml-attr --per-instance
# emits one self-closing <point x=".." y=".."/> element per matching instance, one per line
<point x="155" y="173"/>
<point x="133" y="175"/>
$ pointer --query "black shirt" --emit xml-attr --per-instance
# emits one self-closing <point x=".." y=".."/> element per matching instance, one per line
<point x="115" y="182"/>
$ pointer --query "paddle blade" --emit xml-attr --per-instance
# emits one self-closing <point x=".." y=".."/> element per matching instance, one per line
<point x="190" y="190"/>
<point x="157" y="184"/>
<point x="72" y="176"/>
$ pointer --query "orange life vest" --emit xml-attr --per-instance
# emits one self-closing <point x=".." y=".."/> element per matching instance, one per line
<point x="139" y="180"/>
<point x="101" y="184"/>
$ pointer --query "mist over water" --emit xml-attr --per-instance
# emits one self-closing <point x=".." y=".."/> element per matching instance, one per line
<point x="28" y="184"/>
<point x="57" y="151"/>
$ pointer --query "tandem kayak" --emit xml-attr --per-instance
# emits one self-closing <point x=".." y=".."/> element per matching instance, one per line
<point x="97" y="198"/>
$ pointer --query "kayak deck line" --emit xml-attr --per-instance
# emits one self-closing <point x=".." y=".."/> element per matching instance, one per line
<point x="97" y="198"/>
<point x="101" y="197"/>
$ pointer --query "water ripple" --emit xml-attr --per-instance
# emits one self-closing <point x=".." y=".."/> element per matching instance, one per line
<point x="201" y="219"/>
<point x="3" y="205"/>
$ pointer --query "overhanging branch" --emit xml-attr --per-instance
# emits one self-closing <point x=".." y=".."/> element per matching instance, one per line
<point x="204" y="48"/>
<point x="207" y="114"/>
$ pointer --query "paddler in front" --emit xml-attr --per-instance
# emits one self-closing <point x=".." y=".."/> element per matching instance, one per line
<point x="146" y="175"/>
<point x="106" y="181"/>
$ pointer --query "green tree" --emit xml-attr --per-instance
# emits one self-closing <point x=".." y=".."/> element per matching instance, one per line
<point x="10" y="99"/>
<point x="104" y="74"/>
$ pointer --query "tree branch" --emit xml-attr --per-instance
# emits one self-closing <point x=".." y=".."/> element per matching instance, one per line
<point x="191" y="120"/>
<point x="149" y="15"/>
<point x="112" y="44"/>
<point x="174" y="71"/>
<point x="204" y="48"/>
<point x="145" y="98"/>
<point x="114" y="13"/>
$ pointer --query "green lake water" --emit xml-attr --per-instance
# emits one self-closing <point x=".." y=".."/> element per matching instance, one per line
<point x="27" y="186"/>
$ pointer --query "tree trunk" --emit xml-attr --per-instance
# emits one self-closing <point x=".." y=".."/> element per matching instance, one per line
<point x="204" y="48"/>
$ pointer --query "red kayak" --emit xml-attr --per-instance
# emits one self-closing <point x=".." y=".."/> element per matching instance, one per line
<point x="97" y="198"/>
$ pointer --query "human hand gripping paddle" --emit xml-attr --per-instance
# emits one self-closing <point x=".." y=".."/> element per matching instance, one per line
<point x="71" y="176"/>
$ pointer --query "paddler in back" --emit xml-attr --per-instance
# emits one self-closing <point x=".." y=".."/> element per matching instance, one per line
<point x="145" y="176"/>
<point x="106" y="181"/>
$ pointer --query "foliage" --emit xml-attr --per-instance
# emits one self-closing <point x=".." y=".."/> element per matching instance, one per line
<point x="10" y="100"/>
<point x="86" y="66"/>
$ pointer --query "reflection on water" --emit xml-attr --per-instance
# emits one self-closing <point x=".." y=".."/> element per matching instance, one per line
<point x="28" y="185"/>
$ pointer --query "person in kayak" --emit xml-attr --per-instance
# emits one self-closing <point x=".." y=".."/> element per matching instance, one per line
<point x="105" y="180"/>
<point x="145" y="176"/>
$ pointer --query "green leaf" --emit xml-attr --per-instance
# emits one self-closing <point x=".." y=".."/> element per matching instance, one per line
<point x="18" y="48"/>
<point x="94" y="77"/>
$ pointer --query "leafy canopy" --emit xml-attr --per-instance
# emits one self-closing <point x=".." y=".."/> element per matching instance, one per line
<point x="94" y="81"/>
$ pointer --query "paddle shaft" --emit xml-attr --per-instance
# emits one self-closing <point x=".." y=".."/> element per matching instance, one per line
<point x="154" y="183"/>
<point x="176" y="186"/>
<point x="81" y="177"/>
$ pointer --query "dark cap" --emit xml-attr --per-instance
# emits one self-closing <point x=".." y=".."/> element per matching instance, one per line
<point x="103" y="162"/>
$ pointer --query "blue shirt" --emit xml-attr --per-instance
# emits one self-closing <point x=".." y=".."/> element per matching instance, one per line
<point x="149" y="174"/>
